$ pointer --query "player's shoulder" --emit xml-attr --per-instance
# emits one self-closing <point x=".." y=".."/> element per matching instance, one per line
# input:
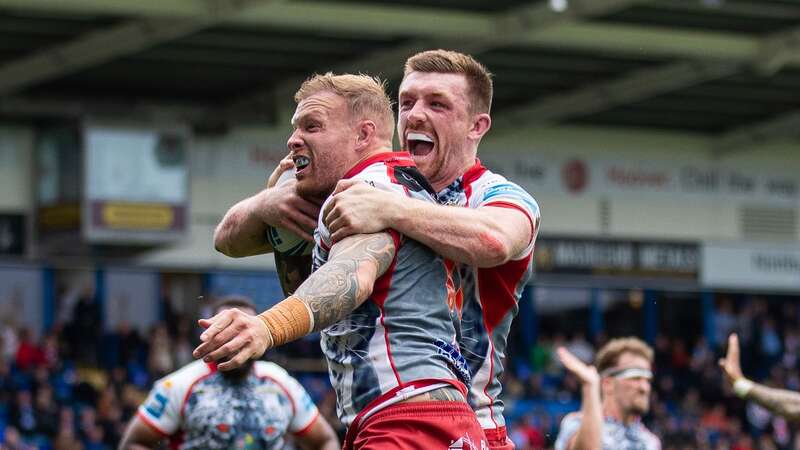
<point x="180" y="381"/>
<point x="494" y="181"/>
<point x="653" y="441"/>
<point x="270" y="370"/>
<point x="188" y="374"/>
<point x="572" y="417"/>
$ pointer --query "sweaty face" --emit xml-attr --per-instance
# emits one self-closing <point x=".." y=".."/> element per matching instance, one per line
<point x="321" y="143"/>
<point x="433" y="122"/>
<point x="633" y="394"/>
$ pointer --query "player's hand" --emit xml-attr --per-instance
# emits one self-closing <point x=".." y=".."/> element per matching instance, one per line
<point x="282" y="207"/>
<point x="285" y="164"/>
<point x="232" y="336"/>
<point x="587" y="374"/>
<point x="358" y="208"/>
<point x="730" y="364"/>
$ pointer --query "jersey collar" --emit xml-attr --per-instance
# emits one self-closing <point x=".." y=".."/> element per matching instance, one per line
<point x="457" y="186"/>
<point x="400" y="157"/>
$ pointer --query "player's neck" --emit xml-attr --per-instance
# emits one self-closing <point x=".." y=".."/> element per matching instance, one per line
<point x="448" y="177"/>
<point x="612" y="410"/>
<point x="372" y="152"/>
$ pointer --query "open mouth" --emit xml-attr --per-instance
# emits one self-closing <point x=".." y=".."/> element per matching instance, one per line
<point x="419" y="144"/>
<point x="301" y="162"/>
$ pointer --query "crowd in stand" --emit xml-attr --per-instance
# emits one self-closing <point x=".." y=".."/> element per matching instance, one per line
<point x="691" y="408"/>
<point x="75" y="387"/>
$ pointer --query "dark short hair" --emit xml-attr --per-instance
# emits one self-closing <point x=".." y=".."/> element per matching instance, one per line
<point x="479" y="79"/>
<point x="233" y="301"/>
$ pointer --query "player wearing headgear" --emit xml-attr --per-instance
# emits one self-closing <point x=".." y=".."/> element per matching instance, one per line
<point x="380" y="300"/>
<point x="444" y="103"/>
<point x="252" y="407"/>
<point x="615" y="394"/>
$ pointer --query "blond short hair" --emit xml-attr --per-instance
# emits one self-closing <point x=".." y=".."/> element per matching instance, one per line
<point x="609" y="354"/>
<point x="365" y="96"/>
<point x="479" y="79"/>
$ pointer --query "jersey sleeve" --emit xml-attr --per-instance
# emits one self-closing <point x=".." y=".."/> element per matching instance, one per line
<point x="569" y="427"/>
<point x="505" y="194"/>
<point x="162" y="408"/>
<point x="306" y="411"/>
<point x="322" y="235"/>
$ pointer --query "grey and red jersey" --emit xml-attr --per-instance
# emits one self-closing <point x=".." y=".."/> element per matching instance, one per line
<point x="403" y="337"/>
<point x="490" y="295"/>
<point x="615" y="435"/>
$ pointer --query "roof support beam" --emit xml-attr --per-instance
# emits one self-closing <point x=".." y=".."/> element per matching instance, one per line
<point x="109" y="44"/>
<point x="432" y="24"/>
<point x="779" y="50"/>
<point x="502" y="29"/>
<point x="784" y="125"/>
<point x="633" y="87"/>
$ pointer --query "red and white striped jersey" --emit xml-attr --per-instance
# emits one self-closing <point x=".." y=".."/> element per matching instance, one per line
<point x="490" y="295"/>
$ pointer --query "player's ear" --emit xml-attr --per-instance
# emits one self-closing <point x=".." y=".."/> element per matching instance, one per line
<point x="364" y="133"/>
<point x="481" y="123"/>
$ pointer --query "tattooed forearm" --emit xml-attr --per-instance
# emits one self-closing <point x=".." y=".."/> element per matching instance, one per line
<point x="292" y="271"/>
<point x="779" y="401"/>
<point x="346" y="280"/>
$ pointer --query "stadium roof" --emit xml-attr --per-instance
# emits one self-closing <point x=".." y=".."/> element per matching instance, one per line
<point x="725" y="68"/>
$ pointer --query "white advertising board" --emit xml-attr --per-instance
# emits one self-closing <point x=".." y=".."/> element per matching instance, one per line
<point x="749" y="266"/>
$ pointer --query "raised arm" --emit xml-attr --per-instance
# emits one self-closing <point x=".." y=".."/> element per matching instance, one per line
<point x="242" y="230"/>
<point x="589" y="433"/>
<point x="483" y="237"/>
<point x="782" y="402"/>
<point x="328" y="295"/>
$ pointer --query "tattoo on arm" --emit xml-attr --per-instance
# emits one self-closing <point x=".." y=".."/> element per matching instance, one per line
<point x="347" y="279"/>
<point x="292" y="271"/>
<point x="445" y="394"/>
<point x="779" y="401"/>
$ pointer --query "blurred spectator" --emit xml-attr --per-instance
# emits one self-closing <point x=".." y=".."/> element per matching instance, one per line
<point x="160" y="362"/>
<point x="8" y="337"/>
<point x="28" y="353"/>
<point x="52" y="397"/>
<point x="83" y="332"/>
<point x="13" y="441"/>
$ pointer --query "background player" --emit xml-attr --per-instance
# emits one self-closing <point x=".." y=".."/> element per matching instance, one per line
<point x="444" y="105"/>
<point x="254" y="406"/>
<point x="780" y="401"/>
<point x="615" y="395"/>
<point x="380" y="300"/>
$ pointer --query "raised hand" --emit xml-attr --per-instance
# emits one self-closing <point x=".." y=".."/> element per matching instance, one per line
<point x="357" y="208"/>
<point x="730" y="364"/>
<point x="285" y="164"/>
<point x="587" y="374"/>
<point x="282" y="207"/>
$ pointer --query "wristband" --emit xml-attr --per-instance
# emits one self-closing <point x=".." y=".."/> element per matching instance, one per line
<point x="288" y="320"/>
<point x="742" y="387"/>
